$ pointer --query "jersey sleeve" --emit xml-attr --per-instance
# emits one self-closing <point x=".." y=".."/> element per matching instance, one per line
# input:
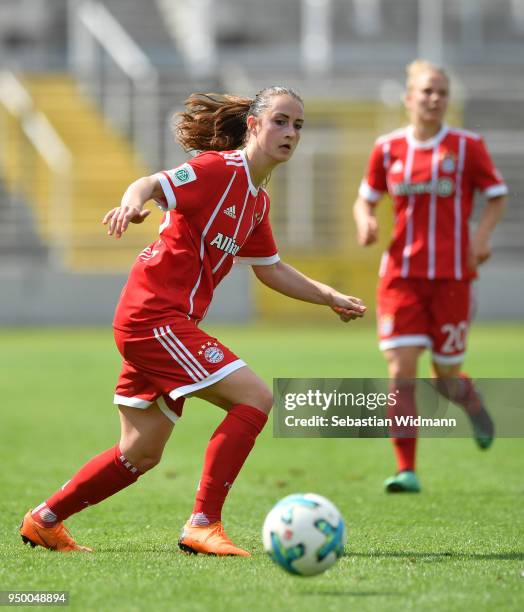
<point x="484" y="175"/>
<point x="374" y="184"/>
<point x="260" y="248"/>
<point x="190" y="186"/>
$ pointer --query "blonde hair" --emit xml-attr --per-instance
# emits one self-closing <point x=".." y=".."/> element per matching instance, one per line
<point x="218" y="122"/>
<point x="419" y="66"/>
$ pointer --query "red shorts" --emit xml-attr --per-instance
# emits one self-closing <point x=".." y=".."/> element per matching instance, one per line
<point x="421" y="312"/>
<point x="169" y="362"/>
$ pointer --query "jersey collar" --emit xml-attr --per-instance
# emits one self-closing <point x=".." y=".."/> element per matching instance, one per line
<point x="426" y="144"/>
<point x="252" y="188"/>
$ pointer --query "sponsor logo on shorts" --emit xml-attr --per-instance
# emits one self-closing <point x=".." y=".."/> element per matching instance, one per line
<point x="213" y="354"/>
<point x="385" y="325"/>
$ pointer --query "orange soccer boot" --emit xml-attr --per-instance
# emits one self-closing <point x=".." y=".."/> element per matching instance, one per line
<point x="209" y="540"/>
<point x="55" y="538"/>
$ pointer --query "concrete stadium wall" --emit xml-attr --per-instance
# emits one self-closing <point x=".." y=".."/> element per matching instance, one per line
<point x="41" y="296"/>
<point x="33" y="295"/>
<point x="500" y="291"/>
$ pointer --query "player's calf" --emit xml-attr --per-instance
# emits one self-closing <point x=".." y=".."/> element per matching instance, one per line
<point x="462" y="391"/>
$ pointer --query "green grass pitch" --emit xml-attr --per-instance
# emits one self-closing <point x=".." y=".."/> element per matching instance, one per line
<point x="457" y="546"/>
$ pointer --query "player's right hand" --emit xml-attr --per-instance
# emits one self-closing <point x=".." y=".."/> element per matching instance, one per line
<point x="367" y="230"/>
<point x="348" y="307"/>
<point x="119" y="218"/>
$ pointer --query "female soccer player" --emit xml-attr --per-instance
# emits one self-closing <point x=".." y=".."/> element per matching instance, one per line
<point x="431" y="172"/>
<point x="215" y="210"/>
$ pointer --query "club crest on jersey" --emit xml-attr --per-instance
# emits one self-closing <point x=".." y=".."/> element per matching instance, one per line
<point x="225" y="243"/>
<point x="448" y="162"/>
<point x="213" y="354"/>
<point x="182" y="175"/>
<point x="398" y="166"/>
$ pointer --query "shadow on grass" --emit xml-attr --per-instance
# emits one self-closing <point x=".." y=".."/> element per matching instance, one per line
<point x="146" y="550"/>
<point x="410" y="555"/>
<point x="350" y="594"/>
<point x="441" y="556"/>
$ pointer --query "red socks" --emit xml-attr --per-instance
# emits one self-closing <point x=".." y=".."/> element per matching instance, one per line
<point x="110" y="472"/>
<point x="405" y="445"/>
<point x="405" y="450"/>
<point x="461" y="391"/>
<point x="226" y="452"/>
<point x="103" y="476"/>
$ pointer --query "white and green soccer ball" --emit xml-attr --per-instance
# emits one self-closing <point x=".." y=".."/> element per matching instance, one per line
<point x="304" y="534"/>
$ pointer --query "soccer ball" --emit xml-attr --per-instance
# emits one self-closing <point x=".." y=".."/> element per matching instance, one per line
<point x="304" y="534"/>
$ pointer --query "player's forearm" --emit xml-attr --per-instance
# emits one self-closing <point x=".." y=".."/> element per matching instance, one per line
<point x="285" y="279"/>
<point x="491" y="215"/>
<point x="366" y="221"/>
<point x="132" y="204"/>
<point x="363" y="209"/>
<point x="140" y="191"/>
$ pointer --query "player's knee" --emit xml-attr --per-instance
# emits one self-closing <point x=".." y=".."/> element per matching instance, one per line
<point x="262" y="398"/>
<point x="402" y="362"/>
<point x="399" y="373"/>
<point x="267" y="402"/>
<point x="400" y="369"/>
<point x="147" y="461"/>
<point x="395" y="369"/>
<point x="444" y="372"/>
<point x="143" y="459"/>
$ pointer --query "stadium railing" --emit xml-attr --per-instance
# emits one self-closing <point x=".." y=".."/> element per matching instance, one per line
<point x="128" y="91"/>
<point x="27" y="138"/>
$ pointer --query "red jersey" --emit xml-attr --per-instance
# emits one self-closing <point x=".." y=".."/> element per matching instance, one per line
<point x="213" y="214"/>
<point x="432" y="184"/>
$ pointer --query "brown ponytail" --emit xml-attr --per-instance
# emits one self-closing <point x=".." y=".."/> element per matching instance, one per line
<point x="218" y="122"/>
<point x="212" y="122"/>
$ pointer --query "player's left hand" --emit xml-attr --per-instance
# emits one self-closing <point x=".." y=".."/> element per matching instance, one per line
<point x="480" y="251"/>
<point x="347" y="307"/>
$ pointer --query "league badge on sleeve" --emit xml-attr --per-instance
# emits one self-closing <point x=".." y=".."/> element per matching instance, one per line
<point x="182" y="175"/>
